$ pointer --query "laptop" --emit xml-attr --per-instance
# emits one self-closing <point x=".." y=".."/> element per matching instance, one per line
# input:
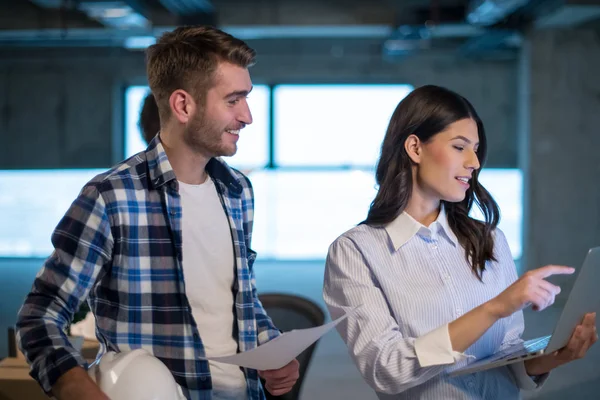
<point x="584" y="298"/>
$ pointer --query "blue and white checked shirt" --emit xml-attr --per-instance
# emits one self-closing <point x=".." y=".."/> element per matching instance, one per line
<point x="411" y="281"/>
<point x="120" y="246"/>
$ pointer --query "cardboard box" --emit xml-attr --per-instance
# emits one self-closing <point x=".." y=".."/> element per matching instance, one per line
<point x="15" y="382"/>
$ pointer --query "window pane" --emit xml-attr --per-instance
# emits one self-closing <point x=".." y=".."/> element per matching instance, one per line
<point x="333" y="125"/>
<point x="506" y="187"/>
<point x="299" y="213"/>
<point x="253" y="145"/>
<point x="134" y="98"/>
<point x="254" y="139"/>
<point x="28" y="218"/>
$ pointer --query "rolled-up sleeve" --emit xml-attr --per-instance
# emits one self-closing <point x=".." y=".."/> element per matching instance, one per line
<point x="82" y="246"/>
<point x="388" y="361"/>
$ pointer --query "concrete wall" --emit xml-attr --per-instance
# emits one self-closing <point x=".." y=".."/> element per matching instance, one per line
<point x="560" y="147"/>
<point x="62" y="108"/>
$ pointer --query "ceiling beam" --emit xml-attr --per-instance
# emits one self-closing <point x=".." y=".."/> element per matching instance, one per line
<point x="569" y="13"/>
<point x="153" y="11"/>
<point x="188" y="7"/>
<point x="25" y="15"/>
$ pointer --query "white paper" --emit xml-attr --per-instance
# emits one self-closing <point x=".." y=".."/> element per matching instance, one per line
<point x="280" y="351"/>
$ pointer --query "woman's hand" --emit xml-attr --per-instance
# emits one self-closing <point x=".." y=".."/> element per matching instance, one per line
<point x="529" y="289"/>
<point x="584" y="336"/>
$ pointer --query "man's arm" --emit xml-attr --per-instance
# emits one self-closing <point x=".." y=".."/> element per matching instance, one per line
<point x="83" y="245"/>
<point x="77" y="384"/>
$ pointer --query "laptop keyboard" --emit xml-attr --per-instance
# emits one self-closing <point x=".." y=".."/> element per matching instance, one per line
<point x="538" y="344"/>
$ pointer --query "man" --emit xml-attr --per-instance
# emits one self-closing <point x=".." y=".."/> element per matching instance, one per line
<point x="161" y="243"/>
<point x="149" y="122"/>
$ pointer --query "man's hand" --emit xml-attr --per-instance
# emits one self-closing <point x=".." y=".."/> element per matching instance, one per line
<point x="584" y="336"/>
<point x="76" y="384"/>
<point x="280" y="381"/>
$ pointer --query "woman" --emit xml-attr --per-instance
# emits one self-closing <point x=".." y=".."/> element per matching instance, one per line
<point x="435" y="286"/>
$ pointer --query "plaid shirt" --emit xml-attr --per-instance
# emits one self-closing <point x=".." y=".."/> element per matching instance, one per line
<point x="120" y="246"/>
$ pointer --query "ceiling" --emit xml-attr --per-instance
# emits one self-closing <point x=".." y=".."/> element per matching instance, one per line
<point x="401" y="27"/>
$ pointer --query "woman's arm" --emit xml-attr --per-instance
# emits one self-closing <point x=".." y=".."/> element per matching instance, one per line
<point x="392" y="363"/>
<point x="388" y="361"/>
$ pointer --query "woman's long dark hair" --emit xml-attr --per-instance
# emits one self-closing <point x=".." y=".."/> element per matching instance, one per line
<point x="426" y="112"/>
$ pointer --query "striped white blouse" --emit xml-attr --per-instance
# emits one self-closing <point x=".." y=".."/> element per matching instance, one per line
<point x="411" y="281"/>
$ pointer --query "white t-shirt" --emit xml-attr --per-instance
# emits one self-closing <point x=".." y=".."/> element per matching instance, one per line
<point x="208" y="270"/>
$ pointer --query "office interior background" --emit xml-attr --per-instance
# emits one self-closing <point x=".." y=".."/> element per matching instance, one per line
<point x="329" y="75"/>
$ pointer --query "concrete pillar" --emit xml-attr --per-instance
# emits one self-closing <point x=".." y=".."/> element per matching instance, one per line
<point x="559" y="148"/>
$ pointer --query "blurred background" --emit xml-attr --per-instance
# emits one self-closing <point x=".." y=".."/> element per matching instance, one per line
<point x="328" y="77"/>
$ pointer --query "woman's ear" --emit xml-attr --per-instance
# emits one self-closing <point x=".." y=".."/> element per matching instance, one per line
<point x="413" y="148"/>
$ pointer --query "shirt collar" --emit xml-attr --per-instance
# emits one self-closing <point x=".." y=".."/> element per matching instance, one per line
<point x="161" y="172"/>
<point x="404" y="227"/>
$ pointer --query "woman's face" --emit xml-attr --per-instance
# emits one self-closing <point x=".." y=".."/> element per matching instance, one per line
<point x="445" y="164"/>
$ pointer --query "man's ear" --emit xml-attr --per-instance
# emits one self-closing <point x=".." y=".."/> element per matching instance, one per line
<point x="413" y="148"/>
<point x="182" y="105"/>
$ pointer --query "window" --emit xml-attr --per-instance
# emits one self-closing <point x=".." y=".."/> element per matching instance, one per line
<point x="506" y="187"/>
<point x="299" y="213"/>
<point x="253" y="147"/>
<point x="332" y="125"/>
<point x="326" y="141"/>
<point x="134" y="98"/>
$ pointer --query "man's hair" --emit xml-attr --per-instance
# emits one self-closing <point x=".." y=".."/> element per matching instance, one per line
<point x="149" y="119"/>
<point x="187" y="59"/>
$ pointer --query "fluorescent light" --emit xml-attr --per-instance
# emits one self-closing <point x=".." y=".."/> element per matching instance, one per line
<point x="139" y="42"/>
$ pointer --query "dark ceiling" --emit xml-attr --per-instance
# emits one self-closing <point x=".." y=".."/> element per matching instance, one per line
<point x="471" y="26"/>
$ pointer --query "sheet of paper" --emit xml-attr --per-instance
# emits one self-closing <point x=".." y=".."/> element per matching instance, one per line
<point x="281" y="350"/>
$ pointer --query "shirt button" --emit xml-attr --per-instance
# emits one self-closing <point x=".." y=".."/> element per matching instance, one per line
<point x="459" y="310"/>
<point x="434" y="246"/>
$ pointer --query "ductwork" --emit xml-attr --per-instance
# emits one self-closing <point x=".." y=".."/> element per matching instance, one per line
<point x="489" y="12"/>
<point x="568" y="14"/>
<point x="117" y="14"/>
<point x="188" y="7"/>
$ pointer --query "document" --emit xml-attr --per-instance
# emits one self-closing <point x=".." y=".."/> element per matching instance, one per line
<point x="280" y="351"/>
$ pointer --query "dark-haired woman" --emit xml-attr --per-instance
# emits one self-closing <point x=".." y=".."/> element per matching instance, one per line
<point x="435" y="286"/>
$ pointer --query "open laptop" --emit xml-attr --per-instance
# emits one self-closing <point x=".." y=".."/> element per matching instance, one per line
<point x="584" y="298"/>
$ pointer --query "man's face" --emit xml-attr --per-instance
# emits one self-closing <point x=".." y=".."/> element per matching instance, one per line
<point x="215" y="129"/>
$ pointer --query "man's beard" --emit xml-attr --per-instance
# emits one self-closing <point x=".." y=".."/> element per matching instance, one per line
<point x="205" y="138"/>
